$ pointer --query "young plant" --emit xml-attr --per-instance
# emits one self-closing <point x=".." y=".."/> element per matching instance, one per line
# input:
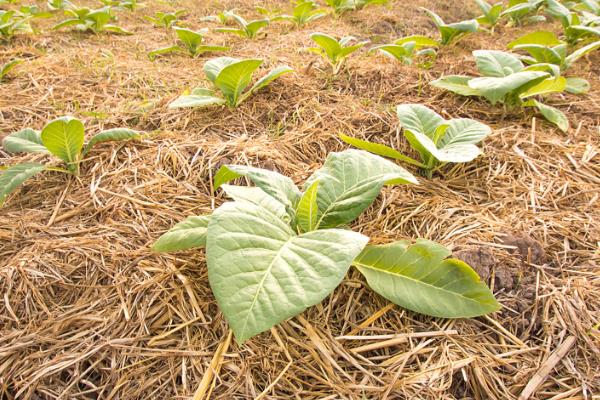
<point x="438" y="141"/>
<point x="409" y="47"/>
<point x="451" y="33"/>
<point x="85" y="19"/>
<point x="358" y="4"/>
<point x="9" y="66"/>
<point x="130" y="5"/>
<point x="305" y="11"/>
<point x="506" y="80"/>
<point x="191" y="43"/>
<point x="224" y="17"/>
<point x="55" y="5"/>
<point x="341" y="6"/>
<point x="333" y="50"/>
<point x="12" y="23"/>
<point x="166" y="20"/>
<point x="63" y="138"/>
<point x="273" y="251"/>
<point x="231" y="77"/>
<point x="519" y="11"/>
<point x="544" y="47"/>
<point x="491" y="13"/>
<point x="574" y="28"/>
<point x="246" y="29"/>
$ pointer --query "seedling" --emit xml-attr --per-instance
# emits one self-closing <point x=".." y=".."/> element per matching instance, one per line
<point x="130" y="5"/>
<point x="409" y="47"/>
<point x="56" y="5"/>
<point x="166" y="20"/>
<point x="12" y="23"/>
<point x="341" y="6"/>
<point x="305" y="11"/>
<point x="231" y="77"/>
<point x="575" y="28"/>
<point x="63" y="138"/>
<point x="451" y="33"/>
<point x="224" y="17"/>
<point x="506" y="80"/>
<point x="274" y="251"/>
<point x="85" y="19"/>
<point x="519" y="11"/>
<point x="246" y="29"/>
<point x="491" y="13"/>
<point x="333" y="50"/>
<point x="191" y="43"/>
<point x="9" y="66"/>
<point x="438" y="141"/>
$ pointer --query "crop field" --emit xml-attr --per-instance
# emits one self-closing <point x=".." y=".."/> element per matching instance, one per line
<point x="329" y="199"/>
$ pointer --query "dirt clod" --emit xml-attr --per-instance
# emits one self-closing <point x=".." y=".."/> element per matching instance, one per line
<point x="528" y="248"/>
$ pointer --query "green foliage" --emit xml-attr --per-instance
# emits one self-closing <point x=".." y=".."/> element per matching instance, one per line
<point x="491" y="12"/>
<point x="12" y="23"/>
<point x="333" y="50"/>
<point x="245" y="29"/>
<point x="62" y="138"/>
<point x="166" y="19"/>
<point x="130" y="5"/>
<point x="575" y="27"/>
<point x="231" y="77"/>
<point x="191" y="43"/>
<point x="224" y="17"/>
<point x="9" y="66"/>
<point x="55" y="5"/>
<point x="341" y="6"/>
<point x="451" y="33"/>
<point x="506" y="80"/>
<point x="520" y="11"/>
<point x="96" y="21"/>
<point x="437" y="141"/>
<point x="407" y="48"/>
<point x="304" y="12"/>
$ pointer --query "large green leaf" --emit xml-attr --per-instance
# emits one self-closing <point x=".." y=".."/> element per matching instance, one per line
<point x="112" y="135"/>
<point x="418" y="118"/>
<point x="496" y="63"/>
<point x="577" y="85"/>
<point x="349" y="182"/>
<point x="457" y="84"/>
<point x="212" y="68"/>
<point x="262" y="273"/>
<point x="188" y="234"/>
<point x="458" y="142"/>
<point x="552" y="114"/>
<point x="234" y="78"/>
<point x="551" y="85"/>
<point x="12" y="177"/>
<point x="543" y="38"/>
<point x="24" y="141"/>
<point x="64" y="137"/>
<point x="189" y="38"/>
<point x="495" y="89"/>
<point x="419" y="277"/>
<point x="541" y="54"/>
<point x="328" y="44"/>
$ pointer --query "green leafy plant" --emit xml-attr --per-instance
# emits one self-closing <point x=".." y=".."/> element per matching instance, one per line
<point x="341" y="6"/>
<point x="333" y="50"/>
<point x="491" y="13"/>
<point x="130" y="5"/>
<point x="96" y="21"/>
<point x="358" y="4"/>
<point x="304" y="12"/>
<point x="407" y="48"/>
<point x="245" y="29"/>
<point x="192" y="44"/>
<point x="223" y="17"/>
<point x="451" y="33"/>
<point x="544" y="47"/>
<point x="274" y="251"/>
<point x="506" y="80"/>
<point x="231" y="77"/>
<point x="166" y="19"/>
<point x="519" y="11"/>
<point x="575" y="29"/>
<point x="55" y="5"/>
<point x="62" y="138"/>
<point x="12" y="23"/>
<point x="438" y="141"/>
<point x="9" y="66"/>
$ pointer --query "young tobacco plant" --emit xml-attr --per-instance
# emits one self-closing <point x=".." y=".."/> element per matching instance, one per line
<point x="166" y="19"/>
<point x="223" y="17"/>
<point x="130" y="5"/>
<point x="304" y="12"/>
<point x="506" y="80"/>
<point x="85" y="19"/>
<point x="335" y="51"/>
<point x="12" y="23"/>
<point x="56" y="5"/>
<point x="273" y="251"/>
<point x="438" y="141"/>
<point x="191" y="43"/>
<point x="491" y="13"/>
<point x="231" y="77"/>
<point x="245" y="29"/>
<point x="544" y="47"/>
<point x="9" y="66"/>
<point x="63" y="138"/>
<point x="407" y="48"/>
<point x="576" y="28"/>
<point x="341" y="6"/>
<point x="451" y="33"/>
<point x="519" y="11"/>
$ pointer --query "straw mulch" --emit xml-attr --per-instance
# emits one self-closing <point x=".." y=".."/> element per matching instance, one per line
<point x="87" y="311"/>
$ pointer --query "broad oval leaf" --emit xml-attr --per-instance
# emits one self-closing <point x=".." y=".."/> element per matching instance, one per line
<point x="64" y="137"/>
<point x="234" y="78"/>
<point x="577" y="85"/>
<point x="551" y="85"/>
<point x="495" y="89"/>
<point x="212" y="68"/>
<point x="457" y="84"/>
<point x="420" y="278"/>
<point x="188" y="234"/>
<point x="13" y="176"/>
<point x="543" y="38"/>
<point x="112" y="135"/>
<point x="552" y="114"/>
<point x="329" y="44"/>
<point x="24" y="141"/>
<point x="418" y="118"/>
<point x="349" y="182"/>
<point x="496" y="63"/>
<point x="262" y="273"/>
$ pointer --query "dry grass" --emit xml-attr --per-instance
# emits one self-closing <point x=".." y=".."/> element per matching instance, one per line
<point x="88" y="312"/>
